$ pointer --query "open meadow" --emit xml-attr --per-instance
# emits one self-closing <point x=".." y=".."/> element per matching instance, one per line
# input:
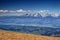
<point x="7" y="35"/>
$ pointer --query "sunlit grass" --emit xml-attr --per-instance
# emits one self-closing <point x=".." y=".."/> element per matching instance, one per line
<point x="6" y="35"/>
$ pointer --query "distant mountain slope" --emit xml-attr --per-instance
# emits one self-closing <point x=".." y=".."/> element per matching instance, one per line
<point x="47" y="31"/>
<point x="13" y="20"/>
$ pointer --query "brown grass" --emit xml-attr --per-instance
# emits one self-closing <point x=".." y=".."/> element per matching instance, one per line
<point x="6" y="35"/>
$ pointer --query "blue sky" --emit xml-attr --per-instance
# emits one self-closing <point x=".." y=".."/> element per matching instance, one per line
<point x="52" y="5"/>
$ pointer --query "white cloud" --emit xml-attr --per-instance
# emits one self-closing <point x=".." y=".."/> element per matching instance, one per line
<point x="55" y="15"/>
<point x="28" y="10"/>
<point x="40" y="11"/>
<point x="3" y="11"/>
<point x="12" y="11"/>
<point x="21" y="10"/>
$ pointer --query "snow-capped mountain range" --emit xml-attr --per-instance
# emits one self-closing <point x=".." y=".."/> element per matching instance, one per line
<point x="29" y="14"/>
<point x="35" y="13"/>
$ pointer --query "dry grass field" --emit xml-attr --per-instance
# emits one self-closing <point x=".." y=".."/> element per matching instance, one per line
<point x="6" y="35"/>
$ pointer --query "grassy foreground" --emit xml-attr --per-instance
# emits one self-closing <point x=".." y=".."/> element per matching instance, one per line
<point x="6" y="35"/>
